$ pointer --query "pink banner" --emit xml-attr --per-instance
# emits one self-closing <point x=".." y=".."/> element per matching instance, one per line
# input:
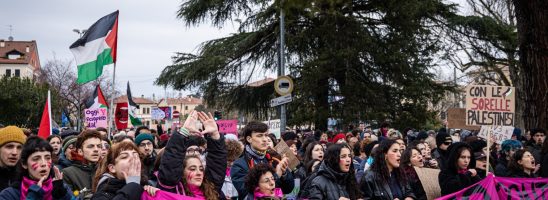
<point x="165" y="196"/>
<point x="228" y="126"/>
<point x="503" y="188"/>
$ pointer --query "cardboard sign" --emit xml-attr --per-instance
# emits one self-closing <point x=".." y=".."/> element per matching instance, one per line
<point x="429" y="181"/>
<point x="96" y="118"/>
<point x="500" y="133"/>
<point x="490" y="105"/>
<point x="456" y="118"/>
<point x="283" y="149"/>
<point x="228" y="126"/>
<point x="274" y="127"/>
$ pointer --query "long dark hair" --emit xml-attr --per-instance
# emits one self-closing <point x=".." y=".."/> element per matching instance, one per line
<point x="513" y="166"/>
<point x="308" y="151"/>
<point x="33" y="144"/>
<point x="332" y="157"/>
<point x="455" y="151"/>
<point x="379" y="166"/>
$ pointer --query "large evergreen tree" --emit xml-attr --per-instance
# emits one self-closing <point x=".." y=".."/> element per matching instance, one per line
<point x="351" y="59"/>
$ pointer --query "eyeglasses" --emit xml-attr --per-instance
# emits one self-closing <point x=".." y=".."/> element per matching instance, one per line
<point x="144" y="144"/>
<point x="267" y="180"/>
<point x="447" y="143"/>
<point x="194" y="150"/>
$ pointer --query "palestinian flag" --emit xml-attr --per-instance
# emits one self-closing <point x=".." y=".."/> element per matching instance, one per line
<point x="132" y="107"/>
<point x="97" y="100"/>
<point x="96" y="48"/>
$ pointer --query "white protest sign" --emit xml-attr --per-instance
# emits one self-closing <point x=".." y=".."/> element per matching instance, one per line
<point x="157" y="114"/>
<point x="274" y="127"/>
<point x="500" y="133"/>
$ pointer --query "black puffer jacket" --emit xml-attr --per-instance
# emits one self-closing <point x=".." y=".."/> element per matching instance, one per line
<point x="452" y="181"/>
<point x="373" y="188"/>
<point x="328" y="184"/>
<point x="113" y="188"/>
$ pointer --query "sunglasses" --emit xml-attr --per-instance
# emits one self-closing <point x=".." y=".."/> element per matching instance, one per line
<point x="447" y="143"/>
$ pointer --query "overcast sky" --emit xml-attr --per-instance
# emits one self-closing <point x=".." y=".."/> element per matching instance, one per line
<point x="149" y="34"/>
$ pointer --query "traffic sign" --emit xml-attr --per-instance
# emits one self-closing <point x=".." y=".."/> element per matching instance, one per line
<point x="280" y="100"/>
<point x="283" y="85"/>
<point x="176" y="114"/>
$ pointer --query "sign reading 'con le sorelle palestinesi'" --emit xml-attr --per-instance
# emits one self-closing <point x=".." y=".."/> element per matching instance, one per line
<point x="490" y="105"/>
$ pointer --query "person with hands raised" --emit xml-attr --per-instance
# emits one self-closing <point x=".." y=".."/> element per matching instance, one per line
<point x="119" y="175"/>
<point x="202" y="173"/>
<point x="38" y="178"/>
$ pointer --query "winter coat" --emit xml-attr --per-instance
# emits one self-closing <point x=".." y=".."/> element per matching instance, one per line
<point x="60" y="192"/>
<point x="501" y="169"/>
<point x="148" y="163"/>
<point x="441" y="157"/>
<point x="328" y="184"/>
<point x="63" y="161"/>
<point x="452" y="181"/>
<point x="110" y="187"/>
<point x="240" y="169"/>
<point x="414" y="182"/>
<point x="372" y="187"/>
<point x="536" y="150"/>
<point x="170" y="174"/>
<point x="78" y="177"/>
<point x="543" y="172"/>
<point x="8" y="175"/>
<point x="522" y="174"/>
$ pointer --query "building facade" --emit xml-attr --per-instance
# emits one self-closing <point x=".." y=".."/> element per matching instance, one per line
<point x="19" y="59"/>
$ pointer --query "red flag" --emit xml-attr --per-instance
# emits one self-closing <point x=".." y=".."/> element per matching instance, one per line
<point x="45" y="124"/>
<point x="121" y="115"/>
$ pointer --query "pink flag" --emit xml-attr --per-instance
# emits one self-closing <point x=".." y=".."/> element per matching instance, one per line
<point x="163" y="195"/>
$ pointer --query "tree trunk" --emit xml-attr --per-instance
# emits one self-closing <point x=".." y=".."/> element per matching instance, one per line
<point x="322" y="104"/>
<point x="532" y="23"/>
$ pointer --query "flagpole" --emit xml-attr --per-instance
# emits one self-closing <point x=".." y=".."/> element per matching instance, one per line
<point x="111" y="111"/>
<point x="49" y="111"/>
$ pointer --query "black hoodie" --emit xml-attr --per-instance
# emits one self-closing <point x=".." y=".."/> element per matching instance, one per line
<point x="449" y="178"/>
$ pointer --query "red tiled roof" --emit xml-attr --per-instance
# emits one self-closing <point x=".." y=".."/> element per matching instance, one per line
<point x="137" y="100"/>
<point x="184" y="100"/>
<point x="21" y="46"/>
<point x="260" y="82"/>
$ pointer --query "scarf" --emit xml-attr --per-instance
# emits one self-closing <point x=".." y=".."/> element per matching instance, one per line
<point x="47" y="186"/>
<point x="462" y="171"/>
<point x="196" y="191"/>
<point x="258" y="194"/>
<point x="255" y="155"/>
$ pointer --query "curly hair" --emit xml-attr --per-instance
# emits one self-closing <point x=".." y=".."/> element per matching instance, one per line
<point x="234" y="149"/>
<point x="207" y="187"/>
<point x="405" y="159"/>
<point x="253" y="177"/>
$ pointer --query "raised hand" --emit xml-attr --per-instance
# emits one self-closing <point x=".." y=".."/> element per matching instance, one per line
<point x="190" y="123"/>
<point x="41" y="180"/>
<point x="282" y="166"/>
<point x="134" y="168"/>
<point x="58" y="174"/>
<point x="210" y="126"/>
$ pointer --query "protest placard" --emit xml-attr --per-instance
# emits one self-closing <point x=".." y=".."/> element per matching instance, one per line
<point x="96" y="118"/>
<point x="490" y="105"/>
<point x="456" y="118"/>
<point x="283" y="149"/>
<point x="274" y="127"/>
<point x="430" y="185"/>
<point x="157" y="114"/>
<point x="500" y="133"/>
<point x="228" y="126"/>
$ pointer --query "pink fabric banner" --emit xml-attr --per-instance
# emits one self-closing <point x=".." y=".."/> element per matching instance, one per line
<point x="503" y="188"/>
<point x="163" y="195"/>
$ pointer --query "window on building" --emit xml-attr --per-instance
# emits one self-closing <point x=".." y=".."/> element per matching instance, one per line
<point x="148" y="110"/>
<point x="174" y="107"/>
<point x="14" y="56"/>
<point x="17" y="73"/>
<point x="8" y="72"/>
<point x="186" y="107"/>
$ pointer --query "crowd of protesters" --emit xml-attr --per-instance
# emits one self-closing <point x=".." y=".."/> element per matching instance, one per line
<point x="202" y="163"/>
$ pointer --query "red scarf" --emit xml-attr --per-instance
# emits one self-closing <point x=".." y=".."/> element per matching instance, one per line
<point x="47" y="186"/>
